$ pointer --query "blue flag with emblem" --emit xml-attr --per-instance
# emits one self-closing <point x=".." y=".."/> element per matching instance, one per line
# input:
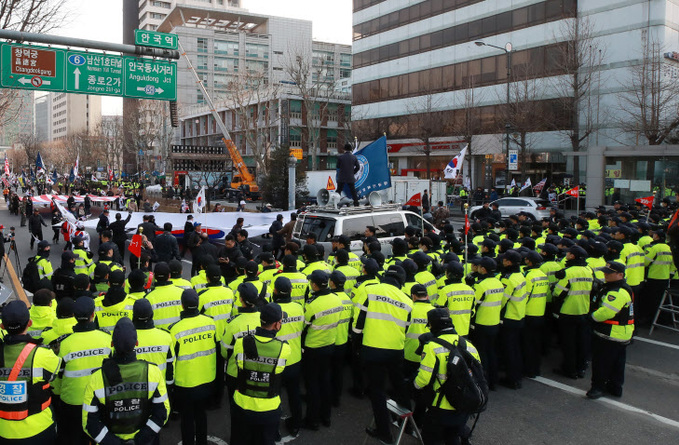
<point x="39" y="165"/>
<point x="55" y="177"/>
<point x="32" y="173"/>
<point x="374" y="171"/>
<point x="71" y="177"/>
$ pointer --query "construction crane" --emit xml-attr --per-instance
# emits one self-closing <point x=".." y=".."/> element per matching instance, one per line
<point x="243" y="180"/>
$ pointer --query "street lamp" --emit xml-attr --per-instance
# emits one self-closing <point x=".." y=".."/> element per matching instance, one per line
<point x="508" y="50"/>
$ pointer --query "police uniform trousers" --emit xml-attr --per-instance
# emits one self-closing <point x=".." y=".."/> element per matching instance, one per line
<point x="608" y="365"/>
<point x="316" y="366"/>
<point x="510" y="342"/>
<point x="444" y="427"/>
<point x="646" y="303"/>
<point x="290" y="380"/>
<point x="191" y="404"/>
<point x="485" y="339"/>
<point x="337" y="372"/>
<point x="380" y="363"/>
<point x="47" y="437"/>
<point x="573" y="337"/>
<point x="252" y="427"/>
<point x="531" y="342"/>
<point x="70" y="426"/>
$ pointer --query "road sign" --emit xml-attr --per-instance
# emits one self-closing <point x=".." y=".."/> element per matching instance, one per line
<point x="32" y="67"/>
<point x="513" y="160"/>
<point x="93" y="73"/>
<point x="155" y="39"/>
<point x="150" y="79"/>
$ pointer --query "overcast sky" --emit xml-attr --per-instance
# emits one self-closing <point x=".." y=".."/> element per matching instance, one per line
<point x="103" y="20"/>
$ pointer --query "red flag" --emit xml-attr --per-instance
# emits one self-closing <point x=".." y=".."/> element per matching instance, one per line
<point x="574" y="192"/>
<point x="466" y="224"/>
<point x="416" y="200"/>
<point x="647" y="201"/>
<point x="135" y="246"/>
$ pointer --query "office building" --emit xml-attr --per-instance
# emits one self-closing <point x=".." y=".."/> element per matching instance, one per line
<point x="43" y="118"/>
<point x="74" y="113"/>
<point x="17" y="119"/>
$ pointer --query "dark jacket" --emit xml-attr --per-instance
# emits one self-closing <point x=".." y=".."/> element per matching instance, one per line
<point x="229" y="269"/>
<point x="35" y="223"/>
<point x="117" y="228"/>
<point x="278" y="239"/>
<point x="103" y="223"/>
<point x="150" y="230"/>
<point x="347" y="167"/>
<point x="166" y="247"/>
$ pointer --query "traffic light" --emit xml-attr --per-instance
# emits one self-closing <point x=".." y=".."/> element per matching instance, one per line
<point x="174" y="115"/>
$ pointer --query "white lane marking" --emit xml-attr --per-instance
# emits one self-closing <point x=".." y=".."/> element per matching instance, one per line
<point x="670" y="378"/>
<point x="656" y="342"/>
<point x="623" y="406"/>
<point x="211" y="439"/>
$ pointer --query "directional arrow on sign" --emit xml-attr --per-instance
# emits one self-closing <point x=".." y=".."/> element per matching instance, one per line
<point x="25" y="80"/>
<point x="148" y="88"/>
<point x="77" y="77"/>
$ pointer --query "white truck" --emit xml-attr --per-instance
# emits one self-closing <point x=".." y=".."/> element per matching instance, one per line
<point x="402" y="187"/>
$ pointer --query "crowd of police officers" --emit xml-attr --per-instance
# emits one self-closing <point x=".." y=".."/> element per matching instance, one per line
<point x="110" y="356"/>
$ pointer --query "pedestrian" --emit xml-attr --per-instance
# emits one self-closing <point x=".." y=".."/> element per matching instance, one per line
<point x="35" y="224"/>
<point x="347" y="167"/>
<point x="441" y="215"/>
<point x="56" y="219"/>
<point x="103" y="222"/>
<point x="119" y="233"/>
<point x="261" y="359"/>
<point x="194" y="340"/>
<point x="443" y="422"/>
<point x="126" y="399"/>
<point x="613" y="318"/>
<point x="166" y="245"/>
<point x="81" y="352"/>
<point x="425" y="202"/>
<point x="286" y="230"/>
<point x="278" y="240"/>
<point x="193" y="244"/>
<point x="63" y="279"/>
<point x="30" y="367"/>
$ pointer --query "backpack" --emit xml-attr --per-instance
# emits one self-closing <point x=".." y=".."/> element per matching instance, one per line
<point x="31" y="277"/>
<point x="465" y="387"/>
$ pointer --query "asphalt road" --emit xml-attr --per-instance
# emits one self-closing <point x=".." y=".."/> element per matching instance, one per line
<point x="549" y="409"/>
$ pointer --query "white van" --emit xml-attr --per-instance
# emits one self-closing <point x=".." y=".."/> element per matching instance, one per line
<point x="327" y="223"/>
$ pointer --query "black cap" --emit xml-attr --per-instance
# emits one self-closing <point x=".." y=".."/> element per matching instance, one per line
<point x="661" y="234"/>
<point x="137" y="279"/>
<point x="142" y="310"/>
<point x="338" y="278"/>
<point x="266" y="256"/>
<point x="213" y="273"/>
<point x="161" y="272"/>
<point x="83" y="308"/>
<point x="271" y="313"/>
<point x="251" y="267"/>
<point x="116" y="278"/>
<point x="371" y="267"/>
<point x="550" y="249"/>
<point x="613" y="267"/>
<point x="627" y="231"/>
<point x="342" y="256"/>
<point x="420" y="258"/>
<point x="512" y="256"/>
<point x="398" y="273"/>
<point x="101" y="270"/>
<point x="319" y="277"/>
<point x="534" y="257"/>
<point x="77" y="240"/>
<point x="455" y="269"/>
<point x="82" y="281"/>
<point x="289" y="261"/>
<point x="190" y="299"/>
<point x="283" y="285"/>
<point x="15" y="316"/>
<point x="43" y="244"/>
<point x="488" y="264"/>
<point x="65" y="306"/>
<point x="578" y="252"/>
<point x="419" y="290"/>
<point x="175" y="268"/>
<point x="489" y="243"/>
<point x="615" y="245"/>
<point x="344" y="239"/>
<point x="124" y="336"/>
<point x="248" y="293"/>
<point x="438" y="316"/>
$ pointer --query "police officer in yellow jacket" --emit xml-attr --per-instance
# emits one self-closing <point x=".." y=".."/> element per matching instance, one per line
<point x="291" y="332"/>
<point x="321" y="317"/>
<point x="297" y="279"/>
<point x="153" y="344"/>
<point x="537" y="286"/>
<point x="26" y="372"/>
<point x="458" y="297"/>
<point x="613" y="329"/>
<point x="126" y="399"/>
<point x="571" y="307"/>
<point x="384" y="314"/>
<point x="659" y="262"/>
<point x="82" y="352"/>
<point x="194" y="341"/>
<point x="261" y="359"/>
<point x="513" y="314"/>
<point x="443" y="424"/>
<point x="165" y="298"/>
<point x="337" y="286"/>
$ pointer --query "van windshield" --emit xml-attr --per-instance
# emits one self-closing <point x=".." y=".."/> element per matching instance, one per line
<point x="324" y="228"/>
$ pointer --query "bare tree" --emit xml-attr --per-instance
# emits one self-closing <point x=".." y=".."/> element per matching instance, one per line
<point x="315" y="88"/>
<point x="111" y="135"/>
<point x="208" y="173"/>
<point x="426" y="121"/>
<point x="147" y="128"/>
<point x="254" y="101"/>
<point x="576" y="61"/>
<point x="30" y="145"/>
<point x="467" y="122"/>
<point x="27" y="16"/>
<point x="365" y="129"/>
<point x="650" y="107"/>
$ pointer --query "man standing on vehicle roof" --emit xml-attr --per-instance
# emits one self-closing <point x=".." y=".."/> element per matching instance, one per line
<point x="347" y="167"/>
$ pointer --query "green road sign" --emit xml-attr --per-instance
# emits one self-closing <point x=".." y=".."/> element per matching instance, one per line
<point x="155" y="39"/>
<point x="93" y="73"/>
<point x="150" y="79"/>
<point x="32" y="67"/>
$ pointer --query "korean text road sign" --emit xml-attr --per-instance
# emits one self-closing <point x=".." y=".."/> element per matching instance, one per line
<point x="93" y="73"/>
<point x="150" y="79"/>
<point x="155" y="39"/>
<point x="32" y="67"/>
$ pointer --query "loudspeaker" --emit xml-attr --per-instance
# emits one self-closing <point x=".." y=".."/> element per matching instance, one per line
<point x="327" y="198"/>
<point x="375" y="199"/>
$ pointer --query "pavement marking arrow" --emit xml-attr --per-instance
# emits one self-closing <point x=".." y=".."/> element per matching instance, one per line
<point x="76" y="71"/>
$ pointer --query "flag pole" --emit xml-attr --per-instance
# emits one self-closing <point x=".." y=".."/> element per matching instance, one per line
<point x="577" y="203"/>
<point x="648" y="212"/>
<point x="466" y="250"/>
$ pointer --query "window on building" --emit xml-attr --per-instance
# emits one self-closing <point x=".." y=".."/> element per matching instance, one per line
<point x="226" y="47"/>
<point x="202" y="63"/>
<point x="199" y="97"/>
<point x="202" y="45"/>
<point x="226" y="64"/>
<point x="296" y="137"/>
<point x="164" y="5"/>
<point x="295" y="109"/>
<point x="331" y="138"/>
<point x="158" y="16"/>
<point x="345" y="60"/>
<point x="257" y="50"/>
